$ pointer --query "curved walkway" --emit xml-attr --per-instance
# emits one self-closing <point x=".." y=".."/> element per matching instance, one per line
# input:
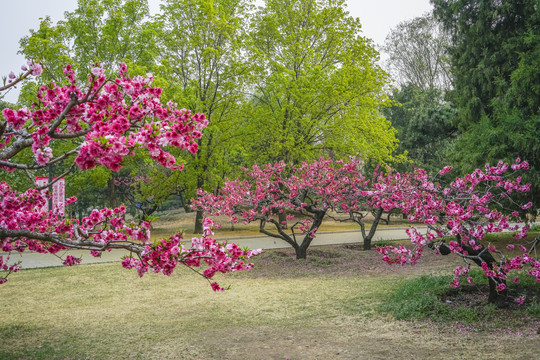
<point x="36" y="260"/>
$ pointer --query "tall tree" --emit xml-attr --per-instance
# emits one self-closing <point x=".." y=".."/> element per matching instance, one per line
<point x="201" y="56"/>
<point x="423" y="122"/>
<point x="418" y="53"/>
<point x="493" y="56"/>
<point x="317" y="89"/>
<point x="106" y="31"/>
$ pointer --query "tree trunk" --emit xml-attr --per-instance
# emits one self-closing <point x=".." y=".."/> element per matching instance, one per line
<point x="367" y="243"/>
<point x="113" y="199"/>
<point x="282" y="217"/>
<point x="183" y="202"/>
<point x="301" y="252"/>
<point x="497" y="297"/>
<point x="198" y="222"/>
<point x="200" y="213"/>
<point x="369" y="236"/>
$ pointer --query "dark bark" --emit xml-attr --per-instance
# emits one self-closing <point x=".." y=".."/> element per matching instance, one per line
<point x="147" y="211"/>
<point x="200" y="213"/>
<point x="113" y="198"/>
<point x="198" y="222"/>
<point x="282" y="217"/>
<point x="300" y="250"/>
<point x="367" y="238"/>
<point x="499" y="298"/>
<point x="301" y="253"/>
<point x="183" y="202"/>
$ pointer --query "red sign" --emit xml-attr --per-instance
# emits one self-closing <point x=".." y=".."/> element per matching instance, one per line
<point x="58" y="194"/>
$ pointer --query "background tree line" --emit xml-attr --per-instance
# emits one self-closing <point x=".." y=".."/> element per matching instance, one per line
<point x="291" y="80"/>
<point x="468" y="86"/>
<point x="294" y="80"/>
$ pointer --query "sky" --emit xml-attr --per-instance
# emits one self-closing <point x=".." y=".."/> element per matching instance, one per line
<point x="377" y="17"/>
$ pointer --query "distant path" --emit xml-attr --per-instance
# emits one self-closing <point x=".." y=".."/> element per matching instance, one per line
<point x="36" y="260"/>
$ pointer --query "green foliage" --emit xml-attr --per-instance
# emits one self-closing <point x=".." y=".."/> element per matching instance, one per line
<point x="317" y="87"/>
<point x="106" y="31"/>
<point x="423" y="123"/>
<point x="494" y="58"/>
<point x="534" y="309"/>
<point x="201" y="46"/>
<point x="417" y="299"/>
<point x="432" y="297"/>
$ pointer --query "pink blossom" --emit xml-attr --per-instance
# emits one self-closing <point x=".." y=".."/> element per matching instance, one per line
<point x="527" y="205"/>
<point x="445" y="170"/>
<point x="97" y="71"/>
<point x="98" y="122"/>
<point x="71" y="260"/>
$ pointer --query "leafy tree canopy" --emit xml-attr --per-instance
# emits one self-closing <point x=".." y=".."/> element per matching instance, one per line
<point x="317" y="88"/>
<point x="494" y="58"/>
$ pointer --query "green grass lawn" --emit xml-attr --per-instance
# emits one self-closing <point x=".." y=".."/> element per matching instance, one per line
<point x="330" y="306"/>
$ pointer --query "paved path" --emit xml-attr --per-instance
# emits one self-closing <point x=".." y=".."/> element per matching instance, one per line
<point x="36" y="260"/>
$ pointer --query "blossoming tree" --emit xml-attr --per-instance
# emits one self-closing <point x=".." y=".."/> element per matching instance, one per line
<point x="459" y="217"/>
<point x="314" y="191"/>
<point x="376" y="196"/>
<point x="276" y="189"/>
<point x="99" y="124"/>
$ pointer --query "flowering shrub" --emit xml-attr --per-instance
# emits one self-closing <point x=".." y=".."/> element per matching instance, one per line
<point x="360" y="197"/>
<point x="99" y="125"/>
<point x="274" y="193"/>
<point x="311" y="190"/>
<point x="459" y="217"/>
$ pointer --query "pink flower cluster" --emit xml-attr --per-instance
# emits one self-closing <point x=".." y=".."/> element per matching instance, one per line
<point x="473" y="206"/>
<point x="219" y="257"/>
<point x="112" y="118"/>
<point x="30" y="68"/>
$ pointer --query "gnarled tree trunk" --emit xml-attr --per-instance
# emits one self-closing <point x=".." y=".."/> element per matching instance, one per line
<point x="499" y="298"/>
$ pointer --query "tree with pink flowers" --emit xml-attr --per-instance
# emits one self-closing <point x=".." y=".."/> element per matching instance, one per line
<point x="376" y="196"/>
<point x="459" y="218"/>
<point x="313" y="191"/>
<point x="98" y="125"/>
<point x="267" y="192"/>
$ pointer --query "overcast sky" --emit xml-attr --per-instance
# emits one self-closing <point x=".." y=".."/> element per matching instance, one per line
<point x="377" y="18"/>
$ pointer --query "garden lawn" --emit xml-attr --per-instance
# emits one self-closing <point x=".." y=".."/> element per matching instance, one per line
<point x="325" y="307"/>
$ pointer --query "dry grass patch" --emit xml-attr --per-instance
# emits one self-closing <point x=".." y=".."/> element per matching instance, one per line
<point x="319" y="308"/>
